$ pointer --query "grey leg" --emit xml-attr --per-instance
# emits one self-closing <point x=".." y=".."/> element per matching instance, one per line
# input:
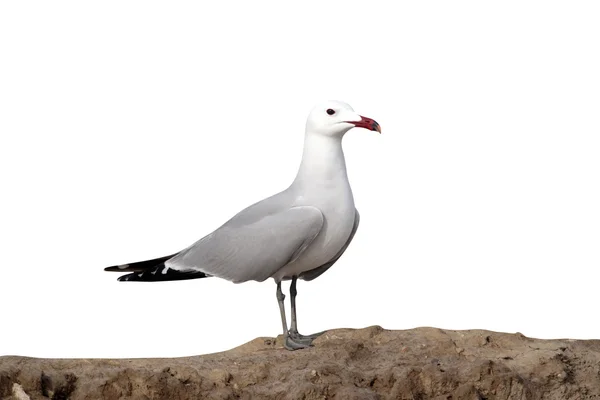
<point x="294" y="334"/>
<point x="288" y="342"/>
<point x="293" y="293"/>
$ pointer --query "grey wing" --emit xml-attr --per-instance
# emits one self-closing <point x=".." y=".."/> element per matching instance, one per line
<point x="314" y="273"/>
<point x="254" y="248"/>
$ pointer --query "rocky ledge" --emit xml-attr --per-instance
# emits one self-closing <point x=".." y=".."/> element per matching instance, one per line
<point x="370" y="363"/>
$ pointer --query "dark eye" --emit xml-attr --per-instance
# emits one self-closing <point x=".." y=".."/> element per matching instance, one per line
<point x="330" y="111"/>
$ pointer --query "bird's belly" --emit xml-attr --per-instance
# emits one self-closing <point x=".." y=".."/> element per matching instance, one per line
<point x="337" y="227"/>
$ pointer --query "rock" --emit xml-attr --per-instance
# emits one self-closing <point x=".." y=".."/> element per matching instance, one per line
<point x="370" y="363"/>
<point x="18" y="393"/>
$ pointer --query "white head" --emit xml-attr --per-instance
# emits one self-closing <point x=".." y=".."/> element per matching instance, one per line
<point x="335" y="118"/>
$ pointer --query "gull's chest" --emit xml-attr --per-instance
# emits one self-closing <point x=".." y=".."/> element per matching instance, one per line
<point x="334" y="199"/>
<point x="337" y="205"/>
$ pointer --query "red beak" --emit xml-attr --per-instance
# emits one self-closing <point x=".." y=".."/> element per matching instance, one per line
<point x="367" y="123"/>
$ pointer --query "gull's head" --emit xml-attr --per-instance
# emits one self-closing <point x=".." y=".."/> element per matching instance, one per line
<point x="335" y="118"/>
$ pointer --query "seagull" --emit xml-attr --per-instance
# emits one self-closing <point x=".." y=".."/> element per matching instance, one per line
<point x="298" y="233"/>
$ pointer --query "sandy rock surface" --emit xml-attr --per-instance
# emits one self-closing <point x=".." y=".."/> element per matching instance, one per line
<point x="369" y="363"/>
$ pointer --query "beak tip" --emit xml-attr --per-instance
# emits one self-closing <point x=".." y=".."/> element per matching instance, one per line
<point x="367" y="123"/>
<point x="376" y="127"/>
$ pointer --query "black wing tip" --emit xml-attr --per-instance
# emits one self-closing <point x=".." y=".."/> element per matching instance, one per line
<point x="135" y="277"/>
<point x="161" y="274"/>
<point x="117" y="268"/>
<point x="139" y="266"/>
<point x="124" y="278"/>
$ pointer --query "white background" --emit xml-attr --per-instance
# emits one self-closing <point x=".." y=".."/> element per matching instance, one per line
<point x="130" y="129"/>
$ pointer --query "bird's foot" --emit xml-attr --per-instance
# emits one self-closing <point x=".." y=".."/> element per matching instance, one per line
<point x="295" y="344"/>
<point x="306" y="339"/>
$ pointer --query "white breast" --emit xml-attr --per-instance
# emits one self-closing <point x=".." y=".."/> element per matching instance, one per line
<point x="339" y="212"/>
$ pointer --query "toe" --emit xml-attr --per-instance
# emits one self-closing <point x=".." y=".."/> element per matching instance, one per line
<point x="292" y="344"/>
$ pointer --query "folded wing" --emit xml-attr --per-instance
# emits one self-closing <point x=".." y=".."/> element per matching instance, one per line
<point x="253" y="250"/>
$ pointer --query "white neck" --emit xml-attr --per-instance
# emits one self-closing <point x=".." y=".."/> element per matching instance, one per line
<point x="322" y="161"/>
